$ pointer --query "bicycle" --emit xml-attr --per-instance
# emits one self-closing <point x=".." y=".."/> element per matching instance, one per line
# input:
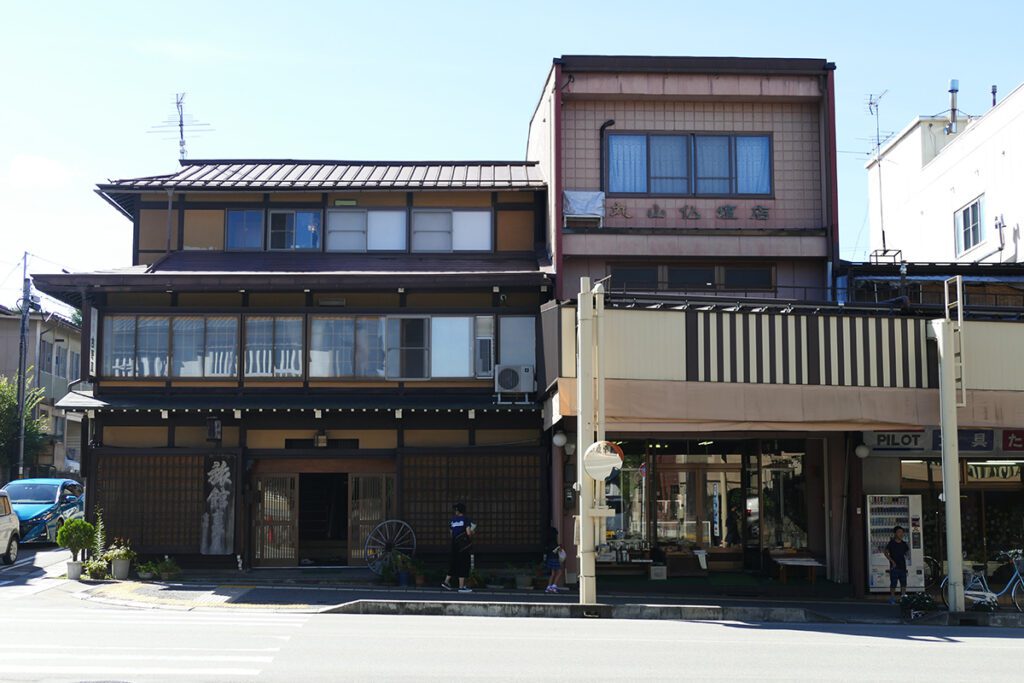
<point x="977" y="590"/>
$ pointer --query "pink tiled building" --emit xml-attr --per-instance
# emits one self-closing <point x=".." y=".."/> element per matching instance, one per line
<point x="715" y="175"/>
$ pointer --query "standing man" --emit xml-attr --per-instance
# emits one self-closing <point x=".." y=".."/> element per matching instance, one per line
<point x="462" y="529"/>
<point x="897" y="552"/>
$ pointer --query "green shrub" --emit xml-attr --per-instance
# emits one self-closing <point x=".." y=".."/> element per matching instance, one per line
<point x="95" y="568"/>
<point x="77" y="536"/>
<point x="120" y="549"/>
<point x="99" y="545"/>
<point x="167" y="568"/>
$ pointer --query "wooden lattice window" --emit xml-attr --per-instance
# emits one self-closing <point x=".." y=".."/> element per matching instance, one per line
<point x="503" y="494"/>
<point x="154" y="501"/>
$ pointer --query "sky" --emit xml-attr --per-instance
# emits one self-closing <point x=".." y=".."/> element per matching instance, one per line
<point x="83" y="84"/>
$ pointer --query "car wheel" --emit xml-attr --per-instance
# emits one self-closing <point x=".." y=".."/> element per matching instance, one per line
<point x="12" y="551"/>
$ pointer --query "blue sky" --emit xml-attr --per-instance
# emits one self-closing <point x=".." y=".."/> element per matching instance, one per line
<point x="82" y="84"/>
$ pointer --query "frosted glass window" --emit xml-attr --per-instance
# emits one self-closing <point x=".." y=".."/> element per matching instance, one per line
<point x="346" y="231"/>
<point x="432" y="231"/>
<point x="471" y="231"/>
<point x="517" y="343"/>
<point x="332" y="347"/>
<point x="627" y="163"/>
<point x="118" y="346"/>
<point x="386" y="231"/>
<point x="451" y="347"/>
<point x="189" y="341"/>
<point x="753" y="164"/>
<point x="713" y="175"/>
<point x="151" y="346"/>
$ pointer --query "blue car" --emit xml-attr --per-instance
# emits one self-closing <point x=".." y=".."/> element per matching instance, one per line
<point x="43" y="505"/>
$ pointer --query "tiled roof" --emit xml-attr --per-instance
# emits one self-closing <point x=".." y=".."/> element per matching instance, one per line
<point x="290" y="174"/>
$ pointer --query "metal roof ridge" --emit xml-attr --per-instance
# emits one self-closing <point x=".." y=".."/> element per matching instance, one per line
<point x="349" y="162"/>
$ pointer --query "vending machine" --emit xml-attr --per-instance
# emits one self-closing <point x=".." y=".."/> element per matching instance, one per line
<point x="883" y="513"/>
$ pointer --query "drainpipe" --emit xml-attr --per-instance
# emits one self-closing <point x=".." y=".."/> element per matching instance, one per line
<point x="600" y="151"/>
<point x="170" y="203"/>
<point x="556" y="177"/>
<point x="831" y="157"/>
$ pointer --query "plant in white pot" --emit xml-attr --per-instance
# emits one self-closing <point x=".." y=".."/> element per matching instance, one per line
<point x="77" y="536"/>
<point x="120" y="556"/>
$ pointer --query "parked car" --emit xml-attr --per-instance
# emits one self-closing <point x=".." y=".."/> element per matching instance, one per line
<point x="43" y="505"/>
<point x="9" y="531"/>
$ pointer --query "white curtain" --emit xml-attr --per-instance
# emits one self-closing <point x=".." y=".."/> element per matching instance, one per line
<point x="627" y="163"/>
<point x="669" y="164"/>
<point x="753" y="165"/>
<point x="713" y="164"/>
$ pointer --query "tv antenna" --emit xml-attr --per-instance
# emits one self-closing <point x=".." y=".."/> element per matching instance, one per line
<point x="873" y="108"/>
<point x="180" y="123"/>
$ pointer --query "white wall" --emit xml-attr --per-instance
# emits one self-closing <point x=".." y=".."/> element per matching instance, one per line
<point x="927" y="176"/>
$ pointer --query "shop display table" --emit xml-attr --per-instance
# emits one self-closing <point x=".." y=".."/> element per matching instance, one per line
<point x="786" y="562"/>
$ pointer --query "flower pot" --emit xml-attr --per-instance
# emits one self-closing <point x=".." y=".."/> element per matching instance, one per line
<point x="145" y="576"/>
<point x="74" y="570"/>
<point x="403" y="578"/>
<point x="421" y="580"/>
<point x="524" y="581"/>
<point x="120" y="568"/>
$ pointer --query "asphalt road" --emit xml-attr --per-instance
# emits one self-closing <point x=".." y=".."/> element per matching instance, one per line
<point x="50" y="635"/>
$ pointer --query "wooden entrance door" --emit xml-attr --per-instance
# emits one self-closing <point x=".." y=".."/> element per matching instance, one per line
<point x="276" y="520"/>
<point x="371" y="500"/>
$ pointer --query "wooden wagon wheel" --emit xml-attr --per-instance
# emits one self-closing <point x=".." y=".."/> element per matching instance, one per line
<point x="387" y="540"/>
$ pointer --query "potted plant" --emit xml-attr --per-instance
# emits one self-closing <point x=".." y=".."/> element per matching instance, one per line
<point x="95" y="568"/>
<point x="77" y="536"/>
<point x="419" y="573"/>
<point x="403" y="568"/>
<point x="167" y="569"/>
<point x="120" y="556"/>
<point x="147" y="570"/>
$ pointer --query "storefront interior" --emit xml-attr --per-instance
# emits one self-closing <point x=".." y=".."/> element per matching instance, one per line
<point x="710" y="505"/>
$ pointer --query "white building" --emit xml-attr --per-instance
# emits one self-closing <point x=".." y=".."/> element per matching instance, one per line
<point x="952" y="196"/>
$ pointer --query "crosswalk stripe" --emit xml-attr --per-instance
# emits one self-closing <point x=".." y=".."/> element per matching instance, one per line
<point x="78" y="671"/>
<point x="106" y="658"/>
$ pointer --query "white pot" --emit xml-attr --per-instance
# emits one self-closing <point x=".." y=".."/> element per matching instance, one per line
<point x="74" y="570"/>
<point x="120" y="568"/>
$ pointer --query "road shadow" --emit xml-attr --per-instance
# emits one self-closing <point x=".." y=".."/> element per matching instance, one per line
<point x="910" y="632"/>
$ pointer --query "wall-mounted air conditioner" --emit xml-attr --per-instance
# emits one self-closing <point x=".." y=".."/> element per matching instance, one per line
<point x="514" y="379"/>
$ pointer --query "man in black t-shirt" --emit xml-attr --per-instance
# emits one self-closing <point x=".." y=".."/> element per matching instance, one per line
<point x="897" y="551"/>
<point x="462" y="529"/>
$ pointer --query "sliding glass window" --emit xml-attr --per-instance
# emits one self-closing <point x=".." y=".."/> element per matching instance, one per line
<point x="273" y="346"/>
<point x="118" y="346"/>
<point x="205" y="347"/>
<point x="717" y="165"/>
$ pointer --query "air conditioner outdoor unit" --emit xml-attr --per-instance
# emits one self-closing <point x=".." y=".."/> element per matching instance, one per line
<point x="514" y="379"/>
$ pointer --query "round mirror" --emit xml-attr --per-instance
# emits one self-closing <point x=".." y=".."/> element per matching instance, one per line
<point x="601" y="459"/>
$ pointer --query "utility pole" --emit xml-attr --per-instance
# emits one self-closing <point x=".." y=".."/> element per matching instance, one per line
<point x="26" y="308"/>
<point x="589" y="429"/>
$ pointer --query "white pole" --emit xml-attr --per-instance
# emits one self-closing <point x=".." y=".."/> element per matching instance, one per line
<point x="600" y="522"/>
<point x="584" y="438"/>
<point x="943" y="332"/>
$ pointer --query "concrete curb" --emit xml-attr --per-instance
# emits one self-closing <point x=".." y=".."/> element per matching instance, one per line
<point x="789" y="615"/>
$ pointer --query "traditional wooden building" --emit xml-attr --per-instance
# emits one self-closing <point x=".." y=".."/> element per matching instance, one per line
<point x="302" y="349"/>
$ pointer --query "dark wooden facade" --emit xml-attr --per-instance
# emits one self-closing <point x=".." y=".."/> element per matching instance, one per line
<point x="384" y="419"/>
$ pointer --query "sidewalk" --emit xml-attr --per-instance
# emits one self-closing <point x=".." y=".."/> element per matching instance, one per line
<point x="356" y="598"/>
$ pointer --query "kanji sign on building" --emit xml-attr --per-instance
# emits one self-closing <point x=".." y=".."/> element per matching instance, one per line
<point x="1013" y="440"/>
